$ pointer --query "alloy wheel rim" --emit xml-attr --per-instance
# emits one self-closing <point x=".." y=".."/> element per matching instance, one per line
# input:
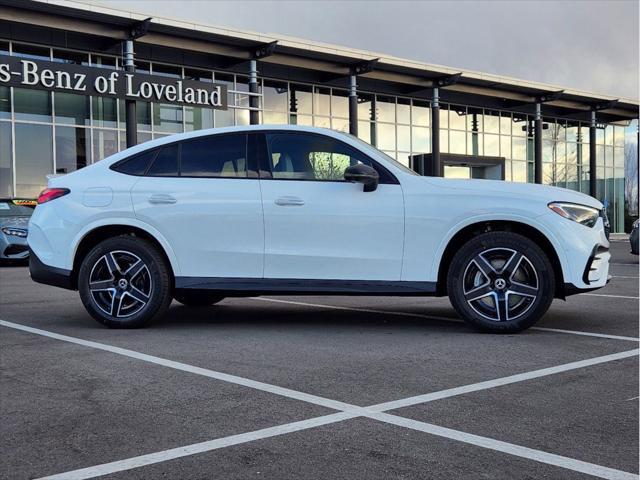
<point x="500" y="284"/>
<point x="120" y="283"/>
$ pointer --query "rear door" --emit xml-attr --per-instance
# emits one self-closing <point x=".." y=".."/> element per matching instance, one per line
<point x="319" y="226"/>
<point x="203" y="196"/>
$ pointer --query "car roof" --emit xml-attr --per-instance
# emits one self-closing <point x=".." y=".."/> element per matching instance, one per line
<point x="222" y="130"/>
<point x="246" y="128"/>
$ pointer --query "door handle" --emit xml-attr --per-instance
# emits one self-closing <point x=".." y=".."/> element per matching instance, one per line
<point x="289" y="201"/>
<point x="162" y="198"/>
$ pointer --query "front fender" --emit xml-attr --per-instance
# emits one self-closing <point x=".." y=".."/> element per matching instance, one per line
<point x="526" y="220"/>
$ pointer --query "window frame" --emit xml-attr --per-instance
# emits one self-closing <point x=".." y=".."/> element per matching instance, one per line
<point x="266" y="168"/>
<point x="250" y="152"/>
<point x="155" y="159"/>
<point x="119" y="163"/>
<point x="249" y="163"/>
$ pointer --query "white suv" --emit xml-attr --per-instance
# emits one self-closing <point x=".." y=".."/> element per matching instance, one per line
<point x="246" y="211"/>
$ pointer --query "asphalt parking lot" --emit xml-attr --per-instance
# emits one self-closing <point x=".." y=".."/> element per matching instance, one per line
<point x="319" y="387"/>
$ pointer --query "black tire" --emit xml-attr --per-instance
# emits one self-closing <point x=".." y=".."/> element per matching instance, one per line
<point x="197" y="298"/>
<point x="492" y="305"/>
<point x="131" y="293"/>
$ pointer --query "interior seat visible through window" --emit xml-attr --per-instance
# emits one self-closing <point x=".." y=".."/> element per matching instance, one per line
<point x="215" y="156"/>
<point x="301" y="156"/>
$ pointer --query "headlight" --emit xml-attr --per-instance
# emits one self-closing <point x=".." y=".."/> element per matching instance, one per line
<point x="15" y="232"/>
<point x="636" y="223"/>
<point x="587" y="216"/>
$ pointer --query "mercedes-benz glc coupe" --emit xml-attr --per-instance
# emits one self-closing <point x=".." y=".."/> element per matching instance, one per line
<point x="246" y="211"/>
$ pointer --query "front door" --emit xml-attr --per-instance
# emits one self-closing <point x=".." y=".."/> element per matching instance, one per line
<point x="319" y="226"/>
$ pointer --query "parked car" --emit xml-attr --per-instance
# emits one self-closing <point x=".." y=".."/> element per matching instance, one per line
<point x="633" y="237"/>
<point x="14" y="218"/>
<point x="244" y="211"/>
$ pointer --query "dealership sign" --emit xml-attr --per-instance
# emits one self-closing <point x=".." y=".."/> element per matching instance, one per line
<point x="103" y="82"/>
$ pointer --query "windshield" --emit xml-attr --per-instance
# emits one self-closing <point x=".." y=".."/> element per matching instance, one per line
<point x="10" y="209"/>
<point x="387" y="157"/>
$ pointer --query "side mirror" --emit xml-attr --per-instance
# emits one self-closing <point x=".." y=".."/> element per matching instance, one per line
<point x="364" y="174"/>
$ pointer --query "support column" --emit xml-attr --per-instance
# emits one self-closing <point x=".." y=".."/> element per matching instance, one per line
<point x="293" y="107"/>
<point x="130" y="105"/>
<point x="373" y="125"/>
<point x="353" y="106"/>
<point x="592" y="156"/>
<point x="435" y="135"/>
<point x="254" y="100"/>
<point x="537" y="138"/>
<point x="474" y="134"/>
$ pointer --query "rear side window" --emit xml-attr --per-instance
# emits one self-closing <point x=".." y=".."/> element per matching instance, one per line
<point x="136" y="165"/>
<point x="214" y="156"/>
<point x="166" y="162"/>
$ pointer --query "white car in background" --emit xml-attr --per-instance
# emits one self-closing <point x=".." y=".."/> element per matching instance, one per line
<point x="246" y="211"/>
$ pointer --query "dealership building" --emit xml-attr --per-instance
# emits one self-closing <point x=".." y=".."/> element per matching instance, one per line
<point x="80" y="82"/>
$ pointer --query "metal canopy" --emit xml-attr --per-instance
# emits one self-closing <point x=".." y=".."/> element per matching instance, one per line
<point x="254" y="52"/>
<point x="447" y="80"/>
<point x="542" y="98"/>
<point x="139" y="29"/>
<point x="316" y="63"/>
<point x="265" y="50"/>
<point x="364" y="67"/>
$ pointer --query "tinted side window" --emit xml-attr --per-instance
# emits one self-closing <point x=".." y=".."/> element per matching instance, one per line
<point x="303" y="156"/>
<point x="215" y="156"/>
<point x="166" y="163"/>
<point x="136" y="165"/>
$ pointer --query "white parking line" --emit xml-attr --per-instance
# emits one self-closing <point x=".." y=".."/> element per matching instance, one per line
<point x="353" y="309"/>
<point x="347" y="410"/>
<point x="166" y="455"/>
<point x="446" y="319"/>
<point x="499" y="382"/>
<point x="464" y="437"/>
<point x="205" y="372"/>
<point x="622" y="276"/>
<point x="609" y="296"/>
<point x="588" y="334"/>
<point x="510" y="448"/>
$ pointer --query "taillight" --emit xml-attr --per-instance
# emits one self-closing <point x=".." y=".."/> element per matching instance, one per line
<point x="49" y="194"/>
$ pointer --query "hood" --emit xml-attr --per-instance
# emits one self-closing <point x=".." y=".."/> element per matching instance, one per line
<point x="14" y="222"/>
<point x="543" y="193"/>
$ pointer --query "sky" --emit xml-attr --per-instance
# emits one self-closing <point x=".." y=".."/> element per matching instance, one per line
<point x="581" y="44"/>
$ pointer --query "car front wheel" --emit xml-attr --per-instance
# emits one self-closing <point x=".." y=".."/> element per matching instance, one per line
<point x="124" y="282"/>
<point x="501" y="282"/>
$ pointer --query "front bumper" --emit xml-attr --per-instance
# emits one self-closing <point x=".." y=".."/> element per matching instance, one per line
<point x="583" y="253"/>
<point x="14" y="252"/>
<point x="595" y="271"/>
<point x="13" y="247"/>
<point x="42" y="273"/>
<point x="633" y="239"/>
<point x="597" y="266"/>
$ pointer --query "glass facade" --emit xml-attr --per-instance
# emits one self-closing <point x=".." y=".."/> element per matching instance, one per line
<point x="74" y="130"/>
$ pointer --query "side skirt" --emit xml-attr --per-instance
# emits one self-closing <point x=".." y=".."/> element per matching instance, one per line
<point x="297" y="286"/>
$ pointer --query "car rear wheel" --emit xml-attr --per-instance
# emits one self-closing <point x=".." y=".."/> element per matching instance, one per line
<point x="501" y="282"/>
<point x="197" y="298"/>
<point x="124" y="282"/>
